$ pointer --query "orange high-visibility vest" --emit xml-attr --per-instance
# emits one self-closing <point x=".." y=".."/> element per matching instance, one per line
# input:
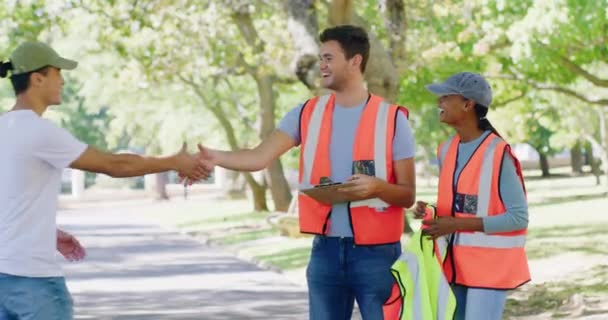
<point x="478" y="259"/>
<point x="373" y="221"/>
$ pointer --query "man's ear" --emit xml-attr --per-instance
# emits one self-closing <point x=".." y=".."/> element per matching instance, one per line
<point x="356" y="60"/>
<point x="36" y="79"/>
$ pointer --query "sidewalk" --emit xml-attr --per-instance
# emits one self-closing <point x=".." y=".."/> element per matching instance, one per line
<point x="137" y="270"/>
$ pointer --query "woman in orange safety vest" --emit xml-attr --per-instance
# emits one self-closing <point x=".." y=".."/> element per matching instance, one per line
<point x="481" y="202"/>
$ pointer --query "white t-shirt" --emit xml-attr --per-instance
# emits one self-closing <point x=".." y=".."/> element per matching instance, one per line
<point x="34" y="151"/>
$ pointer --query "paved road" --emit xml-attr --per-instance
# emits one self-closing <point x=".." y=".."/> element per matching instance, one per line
<point x="137" y="270"/>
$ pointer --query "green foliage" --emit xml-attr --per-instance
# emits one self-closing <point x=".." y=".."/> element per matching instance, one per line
<point x="169" y="71"/>
<point x="522" y="46"/>
<point x="89" y="127"/>
<point x="25" y="20"/>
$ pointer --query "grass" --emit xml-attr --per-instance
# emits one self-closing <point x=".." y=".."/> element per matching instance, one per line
<point x="571" y="201"/>
<point x="564" y="216"/>
<point x="558" y="189"/>
<point x="550" y="241"/>
<point x="245" y="236"/>
<point x="240" y="219"/>
<point x="546" y="250"/>
<point x="570" y="231"/>
<point x="287" y="259"/>
<point x="540" y="299"/>
<point x="549" y="298"/>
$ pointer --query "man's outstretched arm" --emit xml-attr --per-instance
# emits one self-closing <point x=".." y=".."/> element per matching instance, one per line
<point x="258" y="158"/>
<point x="132" y="165"/>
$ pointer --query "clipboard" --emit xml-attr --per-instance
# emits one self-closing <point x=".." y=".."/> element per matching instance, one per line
<point x="327" y="194"/>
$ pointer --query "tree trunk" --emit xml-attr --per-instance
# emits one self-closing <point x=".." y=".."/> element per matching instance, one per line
<point x="235" y="186"/>
<point x="593" y="163"/>
<point x="396" y="25"/>
<point x="380" y="72"/>
<point x="279" y="188"/>
<point x="162" y="179"/>
<point x="597" y="172"/>
<point x="303" y="26"/>
<point x="544" y="165"/>
<point x="576" y="158"/>
<point x="259" y="197"/>
<point x="604" y="139"/>
<point x="258" y="192"/>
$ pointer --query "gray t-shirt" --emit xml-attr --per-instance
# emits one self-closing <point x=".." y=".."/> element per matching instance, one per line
<point x="511" y="191"/>
<point x="343" y="130"/>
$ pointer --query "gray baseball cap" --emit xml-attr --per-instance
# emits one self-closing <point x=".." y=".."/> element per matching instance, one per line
<point x="467" y="84"/>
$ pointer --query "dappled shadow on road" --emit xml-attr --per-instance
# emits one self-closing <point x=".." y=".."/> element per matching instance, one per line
<point x="135" y="271"/>
<point x="193" y="304"/>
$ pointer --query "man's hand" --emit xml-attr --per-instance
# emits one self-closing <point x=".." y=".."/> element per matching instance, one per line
<point x="192" y="166"/>
<point x="69" y="246"/>
<point x="361" y="187"/>
<point x="439" y="227"/>
<point x="204" y="156"/>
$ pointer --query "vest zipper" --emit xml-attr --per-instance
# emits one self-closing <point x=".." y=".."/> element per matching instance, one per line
<point x="450" y="249"/>
<point x="325" y="224"/>
<point x="350" y="220"/>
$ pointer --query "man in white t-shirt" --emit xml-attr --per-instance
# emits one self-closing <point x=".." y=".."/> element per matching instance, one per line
<point x="34" y="151"/>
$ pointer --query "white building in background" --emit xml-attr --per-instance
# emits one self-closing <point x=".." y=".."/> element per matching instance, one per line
<point x="75" y="179"/>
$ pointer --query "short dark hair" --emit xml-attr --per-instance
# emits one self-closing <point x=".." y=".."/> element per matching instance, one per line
<point x="352" y="39"/>
<point x="20" y="81"/>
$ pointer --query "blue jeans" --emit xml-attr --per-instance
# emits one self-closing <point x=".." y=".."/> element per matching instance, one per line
<point x="340" y="272"/>
<point x="479" y="304"/>
<point x="25" y="298"/>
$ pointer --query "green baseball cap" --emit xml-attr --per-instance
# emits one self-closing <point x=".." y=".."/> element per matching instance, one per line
<point x="33" y="55"/>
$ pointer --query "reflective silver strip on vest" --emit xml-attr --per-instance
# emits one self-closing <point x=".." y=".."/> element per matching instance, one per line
<point x="380" y="141"/>
<point x="411" y="261"/>
<point x="379" y="156"/>
<point x="312" y="139"/>
<point x="485" y="179"/>
<point x="483" y="240"/>
<point x="444" y="151"/>
<point x="442" y="297"/>
<point x="442" y="246"/>
<point x="444" y="289"/>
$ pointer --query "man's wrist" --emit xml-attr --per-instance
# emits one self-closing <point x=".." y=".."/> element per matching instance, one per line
<point x="171" y="162"/>
<point x="217" y="156"/>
